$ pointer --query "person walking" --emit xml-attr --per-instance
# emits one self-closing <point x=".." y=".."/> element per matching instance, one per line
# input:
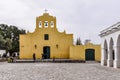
<point x="34" y="57"/>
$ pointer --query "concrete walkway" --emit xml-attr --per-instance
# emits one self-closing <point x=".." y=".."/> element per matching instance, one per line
<point x="57" y="71"/>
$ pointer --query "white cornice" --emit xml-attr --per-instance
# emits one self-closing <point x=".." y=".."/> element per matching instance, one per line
<point x="110" y="30"/>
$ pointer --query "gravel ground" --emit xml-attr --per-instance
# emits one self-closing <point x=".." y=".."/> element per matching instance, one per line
<point x="57" y="71"/>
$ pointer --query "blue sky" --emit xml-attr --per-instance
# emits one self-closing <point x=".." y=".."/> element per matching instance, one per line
<point x="83" y="18"/>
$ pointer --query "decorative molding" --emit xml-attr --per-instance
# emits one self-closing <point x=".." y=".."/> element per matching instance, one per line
<point x="110" y="30"/>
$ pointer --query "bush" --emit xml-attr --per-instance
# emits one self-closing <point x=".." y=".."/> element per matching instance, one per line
<point x="10" y="60"/>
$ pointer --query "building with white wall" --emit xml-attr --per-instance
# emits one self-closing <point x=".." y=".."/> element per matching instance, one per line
<point x="110" y="46"/>
<point x="2" y="52"/>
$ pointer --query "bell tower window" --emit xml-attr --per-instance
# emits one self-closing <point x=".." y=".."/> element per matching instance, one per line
<point x="40" y="24"/>
<point x="46" y="24"/>
<point x="52" y="24"/>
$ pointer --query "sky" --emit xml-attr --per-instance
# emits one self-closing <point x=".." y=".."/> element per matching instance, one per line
<point x="82" y="18"/>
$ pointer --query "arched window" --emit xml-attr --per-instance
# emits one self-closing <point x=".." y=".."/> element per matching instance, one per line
<point x="46" y="24"/>
<point x="52" y="24"/>
<point x="40" y="24"/>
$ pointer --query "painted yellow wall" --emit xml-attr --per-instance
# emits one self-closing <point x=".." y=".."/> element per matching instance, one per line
<point x="78" y="52"/>
<point x="29" y="40"/>
<point x="61" y="44"/>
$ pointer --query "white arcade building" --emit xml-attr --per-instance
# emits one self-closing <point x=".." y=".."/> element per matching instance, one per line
<point x="111" y="46"/>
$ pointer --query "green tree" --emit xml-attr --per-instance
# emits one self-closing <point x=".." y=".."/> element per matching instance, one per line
<point x="78" y="42"/>
<point x="8" y="44"/>
<point x="2" y="42"/>
<point x="11" y="35"/>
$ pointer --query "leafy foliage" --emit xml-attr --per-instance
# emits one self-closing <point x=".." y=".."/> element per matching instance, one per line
<point x="9" y="37"/>
<point x="2" y="42"/>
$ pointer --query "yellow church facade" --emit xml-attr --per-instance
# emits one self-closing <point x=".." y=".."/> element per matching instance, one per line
<point x="47" y="40"/>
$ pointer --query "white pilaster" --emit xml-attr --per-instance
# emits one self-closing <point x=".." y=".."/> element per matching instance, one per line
<point x="110" y="58"/>
<point x="103" y="57"/>
<point x="117" y="57"/>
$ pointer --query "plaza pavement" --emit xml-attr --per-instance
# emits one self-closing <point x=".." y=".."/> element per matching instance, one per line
<point x="57" y="71"/>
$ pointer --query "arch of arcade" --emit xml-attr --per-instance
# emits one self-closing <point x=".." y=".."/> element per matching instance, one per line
<point x="110" y="46"/>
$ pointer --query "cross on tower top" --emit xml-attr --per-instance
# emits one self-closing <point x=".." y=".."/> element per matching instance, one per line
<point x="46" y="10"/>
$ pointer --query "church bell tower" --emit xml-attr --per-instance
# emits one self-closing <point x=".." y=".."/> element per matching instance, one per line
<point x="45" y="21"/>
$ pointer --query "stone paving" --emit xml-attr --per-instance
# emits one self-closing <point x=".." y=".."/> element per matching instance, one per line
<point x="57" y="71"/>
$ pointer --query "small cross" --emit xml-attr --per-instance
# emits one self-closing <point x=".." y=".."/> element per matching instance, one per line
<point x="46" y="10"/>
